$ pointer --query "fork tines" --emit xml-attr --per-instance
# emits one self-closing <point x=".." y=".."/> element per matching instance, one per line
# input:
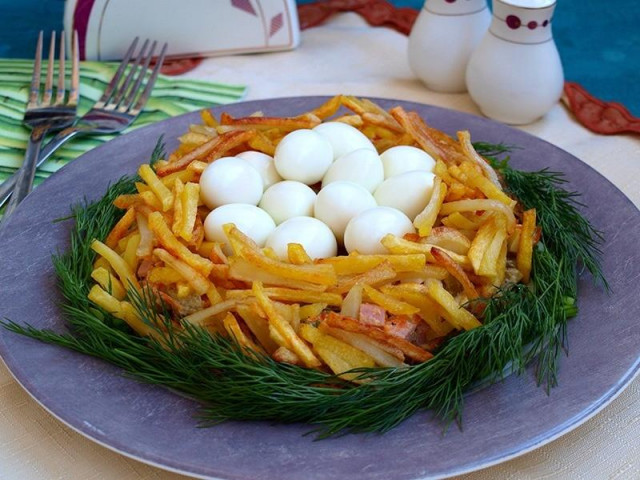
<point x="124" y="91"/>
<point x="47" y="95"/>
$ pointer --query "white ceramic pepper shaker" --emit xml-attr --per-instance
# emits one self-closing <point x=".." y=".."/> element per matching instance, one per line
<point x="515" y="75"/>
<point x="442" y="39"/>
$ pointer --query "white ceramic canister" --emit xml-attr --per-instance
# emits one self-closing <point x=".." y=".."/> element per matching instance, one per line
<point x="442" y="39"/>
<point x="515" y="75"/>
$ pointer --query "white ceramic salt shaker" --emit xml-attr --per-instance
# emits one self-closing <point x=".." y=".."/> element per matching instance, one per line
<point x="442" y="39"/>
<point x="515" y="75"/>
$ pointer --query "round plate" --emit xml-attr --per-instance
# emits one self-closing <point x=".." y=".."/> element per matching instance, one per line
<point x="157" y="426"/>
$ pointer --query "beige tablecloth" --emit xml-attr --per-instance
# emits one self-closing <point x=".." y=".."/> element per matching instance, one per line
<point x="348" y="56"/>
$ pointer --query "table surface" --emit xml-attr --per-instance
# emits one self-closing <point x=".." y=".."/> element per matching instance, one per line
<point x="348" y="56"/>
<point x="606" y="64"/>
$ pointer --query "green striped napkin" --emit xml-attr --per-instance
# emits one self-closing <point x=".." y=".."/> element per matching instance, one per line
<point x="171" y="96"/>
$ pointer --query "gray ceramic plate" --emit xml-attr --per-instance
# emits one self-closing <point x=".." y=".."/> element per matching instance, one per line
<point x="158" y="426"/>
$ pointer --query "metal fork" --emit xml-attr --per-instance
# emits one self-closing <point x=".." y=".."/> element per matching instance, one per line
<point x="43" y="116"/>
<point x="120" y="104"/>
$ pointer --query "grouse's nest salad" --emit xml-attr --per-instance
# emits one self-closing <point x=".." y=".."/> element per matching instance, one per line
<point x="344" y="267"/>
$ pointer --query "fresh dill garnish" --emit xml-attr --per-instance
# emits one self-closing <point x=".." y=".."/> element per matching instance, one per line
<point x="566" y="231"/>
<point x="521" y="324"/>
<point x="493" y="150"/>
<point x="158" y="151"/>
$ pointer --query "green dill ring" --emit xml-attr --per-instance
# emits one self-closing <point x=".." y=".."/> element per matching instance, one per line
<point x="522" y="324"/>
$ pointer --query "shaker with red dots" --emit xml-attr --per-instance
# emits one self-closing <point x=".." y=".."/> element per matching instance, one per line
<point x="515" y="75"/>
<point x="442" y="39"/>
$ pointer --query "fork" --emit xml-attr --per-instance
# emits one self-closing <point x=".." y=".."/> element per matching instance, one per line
<point x="117" y="108"/>
<point x="43" y="116"/>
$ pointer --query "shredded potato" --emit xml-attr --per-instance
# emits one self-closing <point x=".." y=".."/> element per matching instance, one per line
<point x="338" y="313"/>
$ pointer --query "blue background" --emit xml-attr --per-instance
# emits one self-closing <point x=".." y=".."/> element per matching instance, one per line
<point x="599" y="41"/>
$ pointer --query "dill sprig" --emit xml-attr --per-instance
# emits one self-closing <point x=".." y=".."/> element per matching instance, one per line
<point x="566" y="231"/>
<point x="521" y="324"/>
<point x="568" y="245"/>
<point x="158" y="152"/>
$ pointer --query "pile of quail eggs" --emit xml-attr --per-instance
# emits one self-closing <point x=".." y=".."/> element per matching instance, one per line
<point x="324" y="188"/>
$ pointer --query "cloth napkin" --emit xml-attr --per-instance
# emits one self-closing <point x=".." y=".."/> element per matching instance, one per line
<point x="170" y="97"/>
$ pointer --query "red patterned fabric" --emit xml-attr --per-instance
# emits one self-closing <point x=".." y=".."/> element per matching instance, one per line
<point x="607" y="118"/>
<point x="178" y="66"/>
<point x="375" y="12"/>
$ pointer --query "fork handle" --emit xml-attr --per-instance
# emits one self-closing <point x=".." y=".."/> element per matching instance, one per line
<point x="24" y="178"/>
<point x="56" y="142"/>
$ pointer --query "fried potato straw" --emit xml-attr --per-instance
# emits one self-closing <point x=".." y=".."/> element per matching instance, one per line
<point x="338" y="313"/>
